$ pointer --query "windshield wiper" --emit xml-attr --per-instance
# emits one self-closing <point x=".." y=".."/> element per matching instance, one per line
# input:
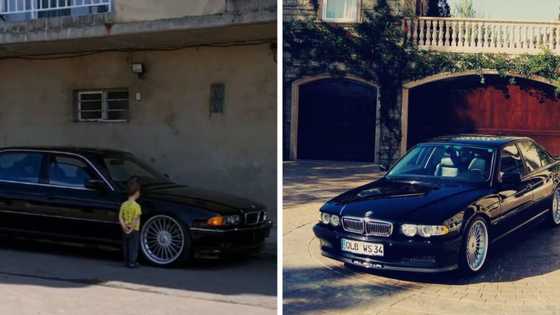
<point x="414" y="182"/>
<point x="152" y="184"/>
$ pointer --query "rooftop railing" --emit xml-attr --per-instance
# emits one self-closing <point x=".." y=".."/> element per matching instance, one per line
<point x="464" y="35"/>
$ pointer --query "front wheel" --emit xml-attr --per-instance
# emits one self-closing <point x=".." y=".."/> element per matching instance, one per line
<point x="555" y="211"/>
<point x="475" y="246"/>
<point x="164" y="241"/>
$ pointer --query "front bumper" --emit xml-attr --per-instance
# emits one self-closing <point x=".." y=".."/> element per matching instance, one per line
<point x="413" y="255"/>
<point x="214" y="243"/>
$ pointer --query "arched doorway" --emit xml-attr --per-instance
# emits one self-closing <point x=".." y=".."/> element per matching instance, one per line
<point x="461" y="103"/>
<point x="334" y="119"/>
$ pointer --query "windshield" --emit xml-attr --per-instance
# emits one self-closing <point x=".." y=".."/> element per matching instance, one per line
<point x="445" y="161"/>
<point x="122" y="167"/>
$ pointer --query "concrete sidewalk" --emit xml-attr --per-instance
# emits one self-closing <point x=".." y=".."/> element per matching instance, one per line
<point x="46" y="278"/>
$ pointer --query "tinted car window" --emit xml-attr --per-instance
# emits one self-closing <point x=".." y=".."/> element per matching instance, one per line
<point x="69" y="171"/>
<point x="20" y="166"/>
<point x="531" y="155"/>
<point x="124" y="166"/>
<point x="510" y="161"/>
<point x="445" y="161"/>
<point x="546" y="159"/>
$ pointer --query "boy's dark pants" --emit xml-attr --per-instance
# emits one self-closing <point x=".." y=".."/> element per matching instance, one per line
<point x="130" y="247"/>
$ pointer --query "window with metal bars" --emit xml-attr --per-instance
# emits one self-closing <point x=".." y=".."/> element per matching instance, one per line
<point x="103" y="105"/>
<point x="24" y="10"/>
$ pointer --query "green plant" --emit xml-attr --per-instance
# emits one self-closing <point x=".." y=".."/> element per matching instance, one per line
<point x="464" y="8"/>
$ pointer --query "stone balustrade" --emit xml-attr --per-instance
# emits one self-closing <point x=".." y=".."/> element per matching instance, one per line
<point x="464" y="35"/>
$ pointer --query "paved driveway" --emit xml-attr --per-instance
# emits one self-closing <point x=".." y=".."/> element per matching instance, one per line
<point x="522" y="277"/>
<point x="45" y="278"/>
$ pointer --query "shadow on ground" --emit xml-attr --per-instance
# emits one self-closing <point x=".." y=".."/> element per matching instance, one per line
<point x="309" y="181"/>
<point x="312" y="290"/>
<point x="71" y="265"/>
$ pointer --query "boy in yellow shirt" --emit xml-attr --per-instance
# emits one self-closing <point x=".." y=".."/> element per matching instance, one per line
<point x="129" y="218"/>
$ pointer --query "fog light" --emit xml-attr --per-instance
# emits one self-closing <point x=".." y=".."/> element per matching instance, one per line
<point x="335" y="220"/>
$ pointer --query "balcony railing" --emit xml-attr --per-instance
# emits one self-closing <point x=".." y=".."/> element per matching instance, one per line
<point x="21" y="10"/>
<point x="482" y="35"/>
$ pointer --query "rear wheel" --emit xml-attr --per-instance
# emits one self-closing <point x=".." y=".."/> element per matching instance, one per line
<point x="555" y="211"/>
<point x="164" y="241"/>
<point x="475" y="246"/>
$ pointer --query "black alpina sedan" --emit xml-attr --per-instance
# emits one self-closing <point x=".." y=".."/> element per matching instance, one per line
<point x="75" y="193"/>
<point x="442" y="205"/>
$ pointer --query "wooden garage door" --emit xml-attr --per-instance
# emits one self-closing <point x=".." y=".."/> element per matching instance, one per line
<point x="526" y="108"/>
<point x="337" y="120"/>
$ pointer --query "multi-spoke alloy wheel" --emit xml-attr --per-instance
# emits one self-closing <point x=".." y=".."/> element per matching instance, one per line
<point x="556" y="207"/>
<point x="162" y="240"/>
<point x="476" y="247"/>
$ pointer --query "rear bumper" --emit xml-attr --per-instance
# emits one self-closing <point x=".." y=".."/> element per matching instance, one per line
<point x="211" y="243"/>
<point x="426" y="256"/>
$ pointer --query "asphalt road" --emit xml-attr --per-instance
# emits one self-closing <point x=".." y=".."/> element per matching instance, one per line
<point x="46" y="278"/>
<point x="522" y="275"/>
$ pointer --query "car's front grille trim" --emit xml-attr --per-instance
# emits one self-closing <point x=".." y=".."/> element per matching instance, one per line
<point x="378" y="228"/>
<point x="353" y="225"/>
<point x="366" y="226"/>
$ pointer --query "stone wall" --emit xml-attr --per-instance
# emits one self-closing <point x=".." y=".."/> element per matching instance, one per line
<point x="389" y="146"/>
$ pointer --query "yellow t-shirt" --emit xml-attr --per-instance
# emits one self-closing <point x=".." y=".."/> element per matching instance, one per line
<point x="130" y="210"/>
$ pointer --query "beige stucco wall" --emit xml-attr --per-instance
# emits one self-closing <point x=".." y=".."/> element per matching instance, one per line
<point x="171" y="127"/>
<point x="141" y="10"/>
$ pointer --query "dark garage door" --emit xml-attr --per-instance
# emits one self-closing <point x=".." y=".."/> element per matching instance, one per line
<point x="526" y="108"/>
<point x="337" y="120"/>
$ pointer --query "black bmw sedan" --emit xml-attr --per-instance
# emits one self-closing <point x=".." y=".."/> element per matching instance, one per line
<point x="75" y="193"/>
<point x="442" y="205"/>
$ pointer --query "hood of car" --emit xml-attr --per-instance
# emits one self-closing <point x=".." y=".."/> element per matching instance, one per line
<point x="406" y="201"/>
<point x="222" y="203"/>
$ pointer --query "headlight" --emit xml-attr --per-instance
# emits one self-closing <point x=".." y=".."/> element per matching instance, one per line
<point x="432" y="230"/>
<point x="216" y="221"/>
<point x="265" y="216"/>
<point x="411" y="230"/>
<point x="325" y="218"/>
<point x="335" y="220"/>
<point x="224" y="220"/>
<point x="232" y="220"/>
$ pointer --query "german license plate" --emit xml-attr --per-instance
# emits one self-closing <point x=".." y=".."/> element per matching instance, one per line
<point x="362" y="248"/>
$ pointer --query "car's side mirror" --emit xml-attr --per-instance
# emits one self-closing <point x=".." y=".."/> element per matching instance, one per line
<point x="95" y="184"/>
<point x="167" y="176"/>
<point x="511" y="179"/>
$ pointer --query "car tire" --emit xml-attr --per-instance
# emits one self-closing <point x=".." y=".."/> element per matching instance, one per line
<point x="165" y="241"/>
<point x="476" y="242"/>
<point x="554" y="218"/>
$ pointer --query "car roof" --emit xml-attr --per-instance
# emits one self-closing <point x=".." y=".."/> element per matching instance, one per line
<point x="477" y="139"/>
<point x="68" y="149"/>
